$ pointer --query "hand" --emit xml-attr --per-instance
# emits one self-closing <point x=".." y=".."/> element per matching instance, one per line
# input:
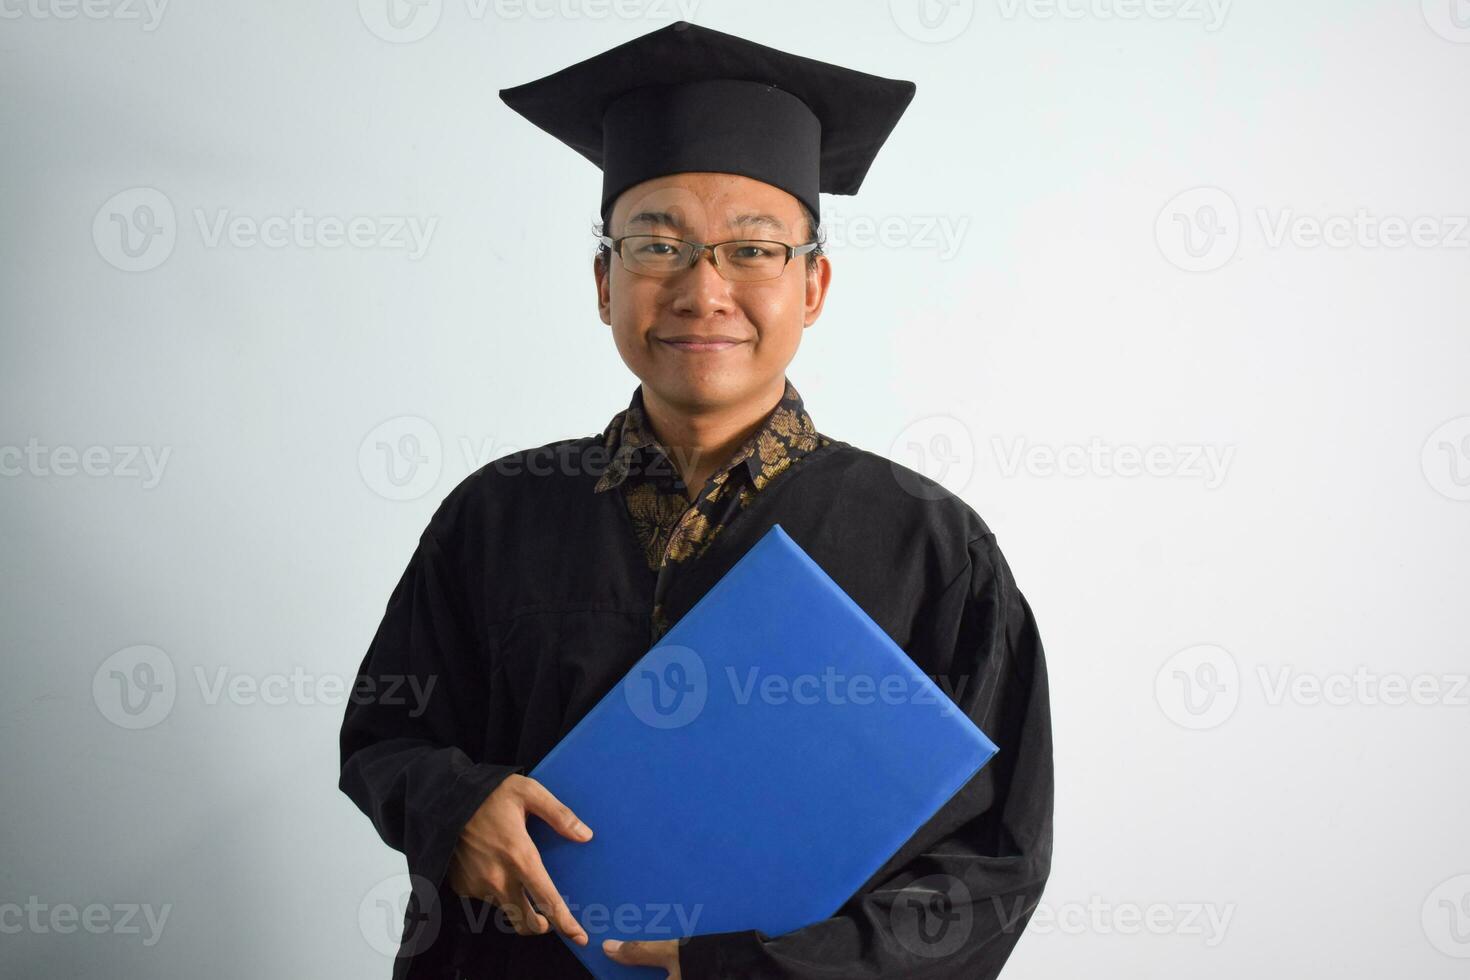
<point x="497" y="861"/>
<point x="658" y="952"/>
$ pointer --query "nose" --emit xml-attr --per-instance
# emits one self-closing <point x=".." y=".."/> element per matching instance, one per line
<point x="701" y="291"/>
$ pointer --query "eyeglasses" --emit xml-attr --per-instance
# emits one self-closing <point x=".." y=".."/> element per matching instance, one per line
<point x="741" y="260"/>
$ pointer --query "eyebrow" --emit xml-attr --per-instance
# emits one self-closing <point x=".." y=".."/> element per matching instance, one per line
<point x="764" y="220"/>
<point x="668" y="220"/>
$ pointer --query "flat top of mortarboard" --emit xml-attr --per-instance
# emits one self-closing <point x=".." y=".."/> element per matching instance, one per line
<point x="856" y="110"/>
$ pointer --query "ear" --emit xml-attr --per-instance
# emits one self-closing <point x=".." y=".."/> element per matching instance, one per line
<point x="818" y="279"/>
<point x="604" y="301"/>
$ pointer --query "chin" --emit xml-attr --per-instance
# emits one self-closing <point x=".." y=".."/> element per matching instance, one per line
<point x="715" y="389"/>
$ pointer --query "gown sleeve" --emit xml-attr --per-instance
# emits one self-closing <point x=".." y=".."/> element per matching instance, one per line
<point x="981" y="863"/>
<point x="412" y="728"/>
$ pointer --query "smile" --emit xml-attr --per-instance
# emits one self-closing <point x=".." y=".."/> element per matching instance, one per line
<point x="697" y="348"/>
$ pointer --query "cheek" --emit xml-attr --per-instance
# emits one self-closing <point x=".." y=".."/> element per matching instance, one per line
<point x="632" y="308"/>
<point x="632" y="295"/>
<point x="778" y="312"/>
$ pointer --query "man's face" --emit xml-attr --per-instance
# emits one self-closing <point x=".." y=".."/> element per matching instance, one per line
<point x="762" y="321"/>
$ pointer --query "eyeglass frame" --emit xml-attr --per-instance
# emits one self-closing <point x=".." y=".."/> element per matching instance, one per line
<point x="792" y="251"/>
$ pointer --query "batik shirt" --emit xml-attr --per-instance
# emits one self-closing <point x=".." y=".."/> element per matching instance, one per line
<point x="673" y="530"/>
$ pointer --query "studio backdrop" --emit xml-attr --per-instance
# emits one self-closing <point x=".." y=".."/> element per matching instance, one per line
<point x="1173" y="293"/>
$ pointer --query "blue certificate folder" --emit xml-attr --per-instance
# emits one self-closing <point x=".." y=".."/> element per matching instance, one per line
<point x="753" y="769"/>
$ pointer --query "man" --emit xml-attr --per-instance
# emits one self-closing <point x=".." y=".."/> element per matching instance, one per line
<point x="546" y="574"/>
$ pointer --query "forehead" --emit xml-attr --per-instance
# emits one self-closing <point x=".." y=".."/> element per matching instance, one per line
<point x="701" y="201"/>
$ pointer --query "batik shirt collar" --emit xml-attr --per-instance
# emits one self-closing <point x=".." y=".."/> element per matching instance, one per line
<point x="786" y="435"/>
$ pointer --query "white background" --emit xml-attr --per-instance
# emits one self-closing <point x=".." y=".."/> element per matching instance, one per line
<point x="1261" y="829"/>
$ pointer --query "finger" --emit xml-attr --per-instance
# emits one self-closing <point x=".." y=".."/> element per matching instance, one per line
<point x="513" y="909"/>
<point x="641" y="953"/>
<point x="519" y="919"/>
<point x="535" y="924"/>
<point x="538" y="883"/>
<point x="512" y="914"/>
<point x="557" y="814"/>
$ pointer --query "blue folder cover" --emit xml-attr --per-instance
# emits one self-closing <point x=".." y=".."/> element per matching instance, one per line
<point x="753" y="769"/>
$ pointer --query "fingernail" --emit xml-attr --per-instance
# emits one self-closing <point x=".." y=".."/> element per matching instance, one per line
<point x="612" y="945"/>
<point x="582" y="830"/>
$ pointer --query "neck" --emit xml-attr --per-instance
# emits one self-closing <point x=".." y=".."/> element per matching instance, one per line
<point x="701" y="439"/>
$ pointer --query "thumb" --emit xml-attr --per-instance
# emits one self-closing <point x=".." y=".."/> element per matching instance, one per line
<point x="540" y="801"/>
<point x="637" y="953"/>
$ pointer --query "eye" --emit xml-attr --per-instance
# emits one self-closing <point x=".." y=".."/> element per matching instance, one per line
<point x="653" y="248"/>
<point x="753" y="252"/>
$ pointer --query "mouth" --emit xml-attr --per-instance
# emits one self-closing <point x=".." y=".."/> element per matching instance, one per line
<point x="701" y="346"/>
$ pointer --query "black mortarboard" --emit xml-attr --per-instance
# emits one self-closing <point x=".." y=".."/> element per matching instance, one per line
<point x="686" y="98"/>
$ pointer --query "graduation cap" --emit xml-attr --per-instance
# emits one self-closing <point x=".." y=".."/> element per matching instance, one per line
<point x="686" y="98"/>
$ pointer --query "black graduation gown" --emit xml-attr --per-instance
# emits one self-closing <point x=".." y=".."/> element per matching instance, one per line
<point x="528" y="597"/>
